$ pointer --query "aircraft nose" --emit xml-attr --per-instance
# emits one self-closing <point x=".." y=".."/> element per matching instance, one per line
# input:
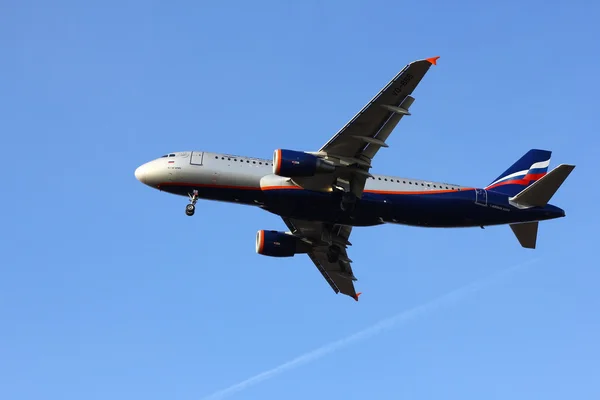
<point x="152" y="173"/>
<point x="141" y="172"/>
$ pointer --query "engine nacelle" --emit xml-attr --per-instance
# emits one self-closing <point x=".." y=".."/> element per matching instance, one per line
<point x="290" y="163"/>
<point x="278" y="244"/>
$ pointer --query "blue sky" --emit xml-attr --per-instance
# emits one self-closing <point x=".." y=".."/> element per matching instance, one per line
<point x="109" y="290"/>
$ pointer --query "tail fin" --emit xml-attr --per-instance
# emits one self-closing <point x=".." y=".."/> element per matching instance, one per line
<point x="540" y="193"/>
<point x="527" y="170"/>
<point x="526" y="233"/>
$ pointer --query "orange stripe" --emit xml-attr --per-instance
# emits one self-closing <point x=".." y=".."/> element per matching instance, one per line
<point x="416" y="192"/>
<point x="279" y="187"/>
<point x="295" y="187"/>
<point x="277" y="161"/>
<point x="261" y="241"/>
<point x="210" y="185"/>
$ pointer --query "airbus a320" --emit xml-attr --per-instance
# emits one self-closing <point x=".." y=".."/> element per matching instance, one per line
<point x="321" y="195"/>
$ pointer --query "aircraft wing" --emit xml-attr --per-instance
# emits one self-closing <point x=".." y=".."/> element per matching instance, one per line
<point x="364" y="134"/>
<point x="355" y="145"/>
<point x="338" y="274"/>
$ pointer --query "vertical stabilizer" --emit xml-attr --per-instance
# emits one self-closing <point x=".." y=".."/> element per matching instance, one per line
<point x="527" y="170"/>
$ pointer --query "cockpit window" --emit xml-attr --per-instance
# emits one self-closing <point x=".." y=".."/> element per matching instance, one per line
<point x="171" y="155"/>
<point x="164" y="156"/>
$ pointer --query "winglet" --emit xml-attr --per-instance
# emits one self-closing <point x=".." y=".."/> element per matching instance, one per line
<point x="433" y="60"/>
<point x="357" y="294"/>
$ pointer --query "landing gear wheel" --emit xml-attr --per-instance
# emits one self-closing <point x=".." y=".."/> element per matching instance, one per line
<point x="333" y="254"/>
<point x="190" y="209"/>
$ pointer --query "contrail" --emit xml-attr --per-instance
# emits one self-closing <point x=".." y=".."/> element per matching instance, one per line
<point x="379" y="327"/>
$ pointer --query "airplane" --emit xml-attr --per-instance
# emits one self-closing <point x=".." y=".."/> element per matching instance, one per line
<point x="321" y="195"/>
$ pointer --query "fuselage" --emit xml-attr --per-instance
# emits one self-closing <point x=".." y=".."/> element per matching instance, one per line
<point x="385" y="199"/>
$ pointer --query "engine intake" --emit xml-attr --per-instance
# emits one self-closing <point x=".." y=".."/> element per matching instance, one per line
<point x="278" y="244"/>
<point x="290" y="163"/>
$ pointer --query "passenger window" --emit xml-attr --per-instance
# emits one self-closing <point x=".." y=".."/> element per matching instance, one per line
<point x="385" y="179"/>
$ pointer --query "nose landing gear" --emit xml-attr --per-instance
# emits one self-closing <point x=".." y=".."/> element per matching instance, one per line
<point x="191" y="208"/>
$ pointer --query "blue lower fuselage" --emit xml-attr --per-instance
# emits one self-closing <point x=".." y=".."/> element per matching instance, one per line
<point x="453" y="209"/>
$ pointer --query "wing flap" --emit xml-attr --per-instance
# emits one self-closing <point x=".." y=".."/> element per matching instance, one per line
<point x="323" y="272"/>
<point x="388" y="127"/>
<point x="339" y="274"/>
<point x="339" y="280"/>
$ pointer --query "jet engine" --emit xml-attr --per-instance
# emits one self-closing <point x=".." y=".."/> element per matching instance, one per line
<point x="279" y="244"/>
<point x="290" y="163"/>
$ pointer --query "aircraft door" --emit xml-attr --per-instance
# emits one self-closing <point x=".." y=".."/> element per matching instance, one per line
<point x="481" y="197"/>
<point x="197" y="158"/>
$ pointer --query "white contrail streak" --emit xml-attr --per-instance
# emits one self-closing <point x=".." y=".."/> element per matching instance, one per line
<point x="379" y="327"/>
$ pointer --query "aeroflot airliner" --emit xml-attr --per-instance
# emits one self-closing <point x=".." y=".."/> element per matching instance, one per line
<point x="321" y="195"/>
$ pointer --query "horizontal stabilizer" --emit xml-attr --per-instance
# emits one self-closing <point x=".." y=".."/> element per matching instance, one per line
<point x="526" y="233"/>
<point x="540" y="192"/>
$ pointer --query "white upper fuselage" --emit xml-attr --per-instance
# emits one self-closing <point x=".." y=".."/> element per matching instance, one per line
<point x="226" y="170"/>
